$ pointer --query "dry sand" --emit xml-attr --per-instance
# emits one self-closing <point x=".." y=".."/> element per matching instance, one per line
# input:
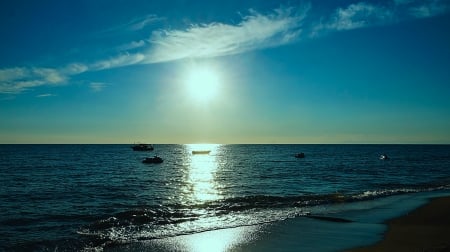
<point x="424" y="229"/>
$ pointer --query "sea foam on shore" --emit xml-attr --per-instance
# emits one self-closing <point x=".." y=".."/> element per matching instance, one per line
<point x="365" y="225"/>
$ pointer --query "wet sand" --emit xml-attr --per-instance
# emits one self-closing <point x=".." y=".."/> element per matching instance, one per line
<point x="297" y="234"/>
<point x="424" y="229"/>
<point x="427" y="228"/>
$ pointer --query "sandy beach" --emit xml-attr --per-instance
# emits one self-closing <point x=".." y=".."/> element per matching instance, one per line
<point x="424" y="229"/>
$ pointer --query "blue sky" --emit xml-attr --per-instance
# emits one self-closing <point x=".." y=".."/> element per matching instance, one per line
<point x="225" y="72"/>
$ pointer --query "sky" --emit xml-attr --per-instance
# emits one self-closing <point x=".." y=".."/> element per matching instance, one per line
<point x="180" y="71"/>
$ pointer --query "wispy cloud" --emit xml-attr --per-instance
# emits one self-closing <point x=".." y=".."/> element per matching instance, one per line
<point x="359" y="15"/>
<point x="423" y="9"/>
<point x="74" y="68"/>
<point x="135" y="24"/>
<point x="18" y="79"/>
<point x="121" y="60"/>
<point x="363" y="14"/>
<point x="142" y="22"/>
<point x="354" y="16"/>
<point x="45" y="95"/>
<point x="132" y="45"/>
<point x="255" y="31"/>
<point x="97" y="86"/>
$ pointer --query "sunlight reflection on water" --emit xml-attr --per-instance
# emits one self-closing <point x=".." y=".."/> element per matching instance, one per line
<point x="201" y="180"/>
<point x="219" y="240"/>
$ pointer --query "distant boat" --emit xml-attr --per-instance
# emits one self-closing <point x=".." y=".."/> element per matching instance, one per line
<point x="300" y="155"/>
<point x="201" y="152"/>
<point x="153" y="160"/>
<point x="384" y="157"/>
<point x="142" y="147"/>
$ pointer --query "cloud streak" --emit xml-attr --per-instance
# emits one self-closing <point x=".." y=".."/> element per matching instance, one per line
<point x="363" y="14"/>
<point x="19" y="79"/>
<point x="135" y="24"/>
<point x="356" y="16"/>
<point x="45" y="95"/>
<point x="122" y="60"/>
<point x="255" y="31"/>
<point x="424" y="9"/>
<point x="97" y="86"/>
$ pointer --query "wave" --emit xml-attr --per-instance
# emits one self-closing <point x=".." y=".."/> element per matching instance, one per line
<point x="155" y="222"/>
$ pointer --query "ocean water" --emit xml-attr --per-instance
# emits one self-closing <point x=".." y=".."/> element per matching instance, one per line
<point x="83" y="197"/>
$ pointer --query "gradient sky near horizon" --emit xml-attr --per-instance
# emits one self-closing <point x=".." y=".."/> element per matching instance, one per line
<point x="225" y="71"/>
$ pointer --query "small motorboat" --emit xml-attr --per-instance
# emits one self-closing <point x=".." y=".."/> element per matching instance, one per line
<point x="152" y="160"/>
<point x="300" y="155"/>
<point x="384" y="157"/>
<point x="201" y="152"/>
<point x="142" y="147"/>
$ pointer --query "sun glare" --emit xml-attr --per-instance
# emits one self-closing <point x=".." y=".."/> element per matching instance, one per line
<point x="201" y="173"/>
<point x="203" y="84"/>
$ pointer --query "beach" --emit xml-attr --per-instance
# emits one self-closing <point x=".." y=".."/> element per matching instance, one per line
<point x="424" y="229"/>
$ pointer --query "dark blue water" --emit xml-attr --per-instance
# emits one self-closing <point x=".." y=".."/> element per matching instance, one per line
<point x="75" y="197"/>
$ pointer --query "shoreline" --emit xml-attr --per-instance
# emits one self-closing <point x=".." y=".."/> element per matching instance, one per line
<point x="371" y="224"/>
<point x="426" y="228"/>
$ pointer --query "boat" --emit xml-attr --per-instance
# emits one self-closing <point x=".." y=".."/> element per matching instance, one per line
<point x="201" y="152"/>
<point x="384" y="157"/>
<point x="142" y="147"/>
<point x="300" y="155"/>
<point x="152" y="160"/>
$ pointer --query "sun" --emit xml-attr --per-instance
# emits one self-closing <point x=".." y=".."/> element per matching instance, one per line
<point x="202" y="83"/>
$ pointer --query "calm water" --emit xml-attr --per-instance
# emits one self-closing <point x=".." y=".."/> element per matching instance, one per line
<point x="75" y="197"/>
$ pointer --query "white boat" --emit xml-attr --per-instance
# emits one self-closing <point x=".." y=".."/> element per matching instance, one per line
<point x="200" y="152"/>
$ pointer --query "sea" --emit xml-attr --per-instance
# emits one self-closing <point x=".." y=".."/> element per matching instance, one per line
<point x="87" y="197"/>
